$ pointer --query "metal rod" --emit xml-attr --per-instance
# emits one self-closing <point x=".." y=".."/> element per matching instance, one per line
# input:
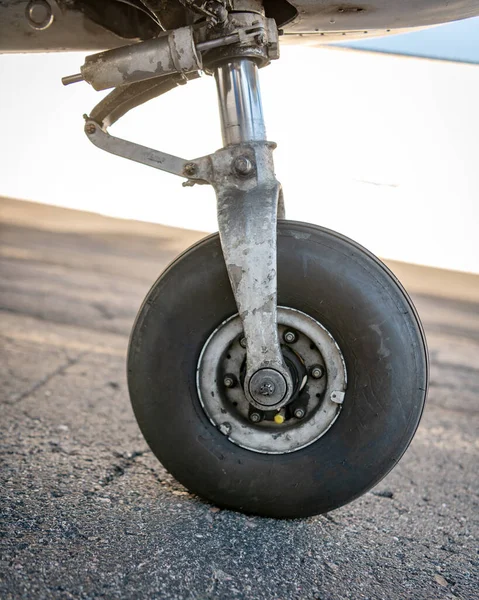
<point x="240" y="102"/>
<point x="217" y="43"/>
<point x="72" y="79"/>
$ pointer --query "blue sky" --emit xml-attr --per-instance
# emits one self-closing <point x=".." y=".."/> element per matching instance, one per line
<point x="457" y="41"/>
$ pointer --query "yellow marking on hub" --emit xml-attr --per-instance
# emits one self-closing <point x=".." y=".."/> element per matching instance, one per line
<point x="279" y="419"/>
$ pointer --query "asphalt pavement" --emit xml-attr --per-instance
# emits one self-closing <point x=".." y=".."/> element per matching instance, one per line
<point x="88" y="512"/>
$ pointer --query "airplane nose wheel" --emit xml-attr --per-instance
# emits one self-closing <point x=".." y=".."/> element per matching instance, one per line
<point x="277" y="368"/>
<point x="355" y="349"/>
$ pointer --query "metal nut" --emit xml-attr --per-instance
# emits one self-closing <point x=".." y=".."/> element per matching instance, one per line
<point x="317" y="372"/>
<point x="243" y="342"/>
<point x="90" y="128"/>
<point x="255" y="417"/>
<point x="243" y="165"/>
<point x="290" y="337"/>
<point x="190" y="169"/>
<point x="299" y="413"/>
<point x="229" y="381"/>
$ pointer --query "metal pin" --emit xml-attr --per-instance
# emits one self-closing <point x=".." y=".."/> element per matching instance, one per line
<point x="72" y="79"/>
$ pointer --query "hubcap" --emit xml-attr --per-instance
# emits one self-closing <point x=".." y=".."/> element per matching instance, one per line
<point x="319" y="377"/>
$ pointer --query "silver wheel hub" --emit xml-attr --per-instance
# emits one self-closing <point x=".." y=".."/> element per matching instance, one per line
<point x="318" y="370"/>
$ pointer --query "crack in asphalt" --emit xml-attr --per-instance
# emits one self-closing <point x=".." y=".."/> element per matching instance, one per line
<point x="119" y="469"/>
<point x="58" y="371"/>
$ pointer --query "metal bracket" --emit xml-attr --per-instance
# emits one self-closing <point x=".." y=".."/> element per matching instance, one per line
<point x="199" y="170"/>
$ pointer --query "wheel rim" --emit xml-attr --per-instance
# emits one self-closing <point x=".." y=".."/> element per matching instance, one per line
<point x="318" y="368"/>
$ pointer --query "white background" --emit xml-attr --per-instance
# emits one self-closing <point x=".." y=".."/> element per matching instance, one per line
<point x="383" y="149"/>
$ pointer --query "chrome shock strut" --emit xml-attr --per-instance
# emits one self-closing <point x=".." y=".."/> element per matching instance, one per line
<point x="239" y="99"/>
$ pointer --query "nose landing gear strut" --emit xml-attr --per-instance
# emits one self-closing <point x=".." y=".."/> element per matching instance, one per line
<point x="279" y="412"/>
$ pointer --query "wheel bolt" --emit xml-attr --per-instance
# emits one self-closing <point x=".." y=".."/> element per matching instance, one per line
<point x="243" y="165"/>
<point x="255" y="417"/>
<point x="317" y="372"/>
<point x="299" y="413"/>
<point x="39" y="14"/>
<point x="290" y="337"/>
<point x="90" y="128"/>
<point x="243" y="342"/>
<point x="190" y="169"/>
<point x="229" y="381"/>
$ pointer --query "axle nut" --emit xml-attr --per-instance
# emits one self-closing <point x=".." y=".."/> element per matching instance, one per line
<point x="267" y="387"/>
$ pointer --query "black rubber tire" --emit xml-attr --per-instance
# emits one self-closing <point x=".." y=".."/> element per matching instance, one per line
<point x="358" y="300"/>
